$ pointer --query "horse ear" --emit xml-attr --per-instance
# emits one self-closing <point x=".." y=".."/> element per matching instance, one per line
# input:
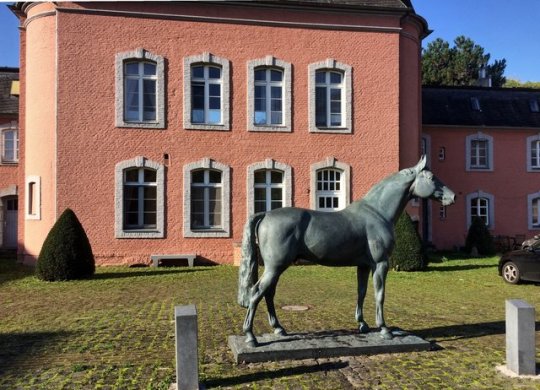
<point x="421" y="164"/>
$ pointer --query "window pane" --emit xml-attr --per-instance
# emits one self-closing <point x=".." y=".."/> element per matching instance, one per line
<point x="131" y="219"/>
<point x="215" y="219"/>
<point x="260" y="117"/>
<point x="260" y="206"/>
<point x="321" y="203"/>
<point x="335" y="203"/>
<point x="150" y="176"/>
<point x="131" y="175"/>
<point x="276" y="177"/>
<point x="335" y="120"/>
<point x="214" y="116"/>
<point x="275" y="105"/>
<point x="215" y="177"/>
<point x="275" y="92"/>
<point x="150" y="220"/>
<point x="214" y="103"/>
<point x="276" y="75"/>
<point x="260" y="194"/>
<point x="260" y="75"/>
<point x="276" y="205"/>
<point x="132" y="68"/>
<point x="214" y="90"/>
<point x="276" y="118"/>
<point x="149" y="69"/>
<point x="335" y="94"/>
<point x="150" y="192"/>
<point x="320" y="77"/>
<point x="260" y="91"/>
<point x="197" y="116"/>
<point x="276" y="194"/>
<point x="197" y="72"/>
<point x="260" y="104"/>
<point x="197" y="176"/>
<point x="214" y="73"/>
<point x="335" y="78"/>
<point x="197" y="95"/>
<point x="260" y="176"/>
<point x="320" y="106"/>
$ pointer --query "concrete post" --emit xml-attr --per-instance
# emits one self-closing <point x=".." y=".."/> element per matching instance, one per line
<point x="187" y="362"/>
<point x="520" y="333"/>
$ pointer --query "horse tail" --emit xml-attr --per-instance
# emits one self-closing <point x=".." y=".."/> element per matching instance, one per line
<point x="249" y="272"/>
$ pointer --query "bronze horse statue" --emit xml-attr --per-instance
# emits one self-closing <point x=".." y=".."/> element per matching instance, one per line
<point x="360" y="235"/>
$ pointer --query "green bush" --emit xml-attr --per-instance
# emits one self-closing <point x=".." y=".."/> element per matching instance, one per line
<point x="408" y="254"/>
<point x="66" y="253"/>
<point x="478" y="236"/>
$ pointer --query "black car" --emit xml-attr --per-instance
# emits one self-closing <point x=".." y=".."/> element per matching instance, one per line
<point x="522" y="264"/>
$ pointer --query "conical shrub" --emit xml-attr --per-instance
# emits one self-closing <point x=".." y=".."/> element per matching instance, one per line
<point x="66" y="253"/>
<point x="479" y="237"/>
<point x="408" y="254"/>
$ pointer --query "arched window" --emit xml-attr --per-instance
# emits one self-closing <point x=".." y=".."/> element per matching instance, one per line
<point x="482" y="205"/>
<point x="330" y="185"/>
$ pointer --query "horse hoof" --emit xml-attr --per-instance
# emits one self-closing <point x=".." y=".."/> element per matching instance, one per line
<point x="252" y="343"/>
<point x="280" y="332"/>
<point x="386" y="334"/>
<point x="363" y="327"/>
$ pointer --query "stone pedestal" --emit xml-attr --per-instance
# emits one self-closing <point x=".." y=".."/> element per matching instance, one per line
<point x="187" y="362"/>
<point x="323" y="345"/>
<point x="520" y="337"/>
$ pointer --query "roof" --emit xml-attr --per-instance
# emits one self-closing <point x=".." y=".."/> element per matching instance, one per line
<point x="9" y="104"/>
<point x="498" y="107"/>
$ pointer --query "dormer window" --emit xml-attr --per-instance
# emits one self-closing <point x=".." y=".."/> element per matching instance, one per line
<point x="475" y="104"/>
<point x="533" y="105"/>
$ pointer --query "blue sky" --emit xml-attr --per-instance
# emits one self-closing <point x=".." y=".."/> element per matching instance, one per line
<point x="505" y="28"/>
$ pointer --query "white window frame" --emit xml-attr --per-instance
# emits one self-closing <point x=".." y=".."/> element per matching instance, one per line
<point x="159" y="230"/>
<point x="331" y="65"/>
<point x="140" y="55"/>
<point x="330" y="163"/>
<point x="208" y="164"/>
<point x="533" y="139"/>
<point x="531" y="200"/>
<point x="469" y="150"/>
<point x="3" y="131"/>
<point x="207" y="59"/>
<point x="268" y="164"/>
<point x="490" y="205"/>
<point x="32" y="198"/>
<point x="269" y="62"/>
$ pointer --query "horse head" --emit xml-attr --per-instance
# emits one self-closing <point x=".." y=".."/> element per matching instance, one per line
<point x="427" y="185"/>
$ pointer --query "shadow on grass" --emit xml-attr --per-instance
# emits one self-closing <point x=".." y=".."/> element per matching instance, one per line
<point x="464" y="331"/>
<point x="11" y="270"/>
<point x="136" y="274"/>
<point x="16" y="348"/>
<point x="460" y="267"/>
<point x="283" y="372"/>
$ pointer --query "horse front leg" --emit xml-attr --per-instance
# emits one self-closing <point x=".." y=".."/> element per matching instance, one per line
<point x="379" y="281"/>
<point x="362" y="276"/>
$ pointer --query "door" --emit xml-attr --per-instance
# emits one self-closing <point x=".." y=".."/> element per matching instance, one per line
<point x="10" y="222"/>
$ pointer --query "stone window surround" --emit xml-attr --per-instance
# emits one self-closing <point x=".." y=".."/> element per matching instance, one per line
<point x="36" y="180"/>
<point x="331" y="65"/>
<point x="491" y="207"/>
<point x="330" y="162"/>
<point x="530" y="140"/>
<point x="474" y="137"/>
<point x="269" y="62"/>
<point x="139" y="162"/>
<point x="224" y="64"/>
<point x="530" y="199"/>
<point x="268" y="164"/>
<point x="207" y="163"/>
<point x="141" y="55"/>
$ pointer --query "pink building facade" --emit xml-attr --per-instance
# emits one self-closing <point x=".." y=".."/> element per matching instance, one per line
<point x="485" y="143"/>
<point x="164" y="125"/>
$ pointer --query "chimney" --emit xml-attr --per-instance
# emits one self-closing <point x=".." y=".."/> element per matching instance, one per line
<point x="484" y="80"/>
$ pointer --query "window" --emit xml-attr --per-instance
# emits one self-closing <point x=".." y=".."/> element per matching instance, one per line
<point x="206" y="92"/>
<point x="10" y="145"/>
<point x="269" y="185"/>
<point x="534" y="211"/>
<point x="533" y="153"/>
<point x="425" y="146"/>
<point x="207" y="199"/>
<point x="479" y="152"/>
<point x="33" y="198"/>
<point x="140" y="199"/>
<point x="475" y="104"/>
<point x="481" y="204"/>
<point x="442" y="212"/>
<point x="140" y="90"/>
<point x="330" y="97"/>
<point x="533" y="105"/>
<point x="269" y="95"/>
<point x="330" y="185"/>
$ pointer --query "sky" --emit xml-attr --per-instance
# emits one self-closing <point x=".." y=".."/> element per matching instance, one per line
<point x="504" y="28"/>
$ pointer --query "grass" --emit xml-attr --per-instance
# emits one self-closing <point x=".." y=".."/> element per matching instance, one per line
<point x="116" y="331"/>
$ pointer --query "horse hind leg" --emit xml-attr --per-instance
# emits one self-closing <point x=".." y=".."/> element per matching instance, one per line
<point x="272" y="317"/>
<point x="362" y="276"/>
<point x="259" y="290"/>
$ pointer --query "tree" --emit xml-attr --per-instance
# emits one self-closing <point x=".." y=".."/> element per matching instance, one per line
<point x="460" y="64"/>
<point x="66" y="253"/>
<point x="478" y="237"/>
<point x="513" y="83"/>
<point x="408" y="253"/>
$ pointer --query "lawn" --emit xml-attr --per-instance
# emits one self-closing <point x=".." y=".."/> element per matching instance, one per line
<point x="116" y="331"/>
